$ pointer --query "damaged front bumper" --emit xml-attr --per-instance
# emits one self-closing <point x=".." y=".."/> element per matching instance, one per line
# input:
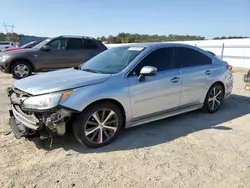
<point x="27" y="123"/>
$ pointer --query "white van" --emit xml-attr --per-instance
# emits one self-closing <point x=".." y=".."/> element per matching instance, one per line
<point x="6" y="44"/>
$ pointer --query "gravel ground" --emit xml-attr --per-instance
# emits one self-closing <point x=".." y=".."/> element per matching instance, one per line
<point x="190" y="150"/>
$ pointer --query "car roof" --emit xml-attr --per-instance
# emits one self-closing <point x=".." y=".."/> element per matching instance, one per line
<point x="74" y="36"/>
<point x="156" y="45"/>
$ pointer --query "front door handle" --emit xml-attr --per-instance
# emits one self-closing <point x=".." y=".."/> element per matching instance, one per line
<point x="175" y="79"/>
<point x="208" y="72"/>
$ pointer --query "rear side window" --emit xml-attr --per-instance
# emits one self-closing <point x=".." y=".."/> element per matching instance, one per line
<point x="162" y="59"/>
<point x="187" y="57"/>
<point x="74" y="44"/>
<point x="80" y="44"/>
<point x="90" y="44"/>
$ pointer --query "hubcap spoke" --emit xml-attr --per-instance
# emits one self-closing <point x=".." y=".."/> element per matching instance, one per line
<point x="108" y="117"/>
<point x="213" y="103"/>
<point x="214" y="91"/>
<point x="88" y="132"/>
<point x="96" y="117"/>
<point x="218" y="93"/>
<point x="92" y="123"/>
<point x="217" y="101"/>
<point x="110" y="122"/>
<point x="106" y="134"/>
<point x="100" y="136"/>
<point x="94" y="135"/>
<point x="103" y="115"/>
<point x="110" y="128"/>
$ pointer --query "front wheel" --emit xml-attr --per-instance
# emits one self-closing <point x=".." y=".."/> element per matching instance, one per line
<point x="21" y="69"/>
<point x="98" y="125"/>
<point x="214" y="98"/>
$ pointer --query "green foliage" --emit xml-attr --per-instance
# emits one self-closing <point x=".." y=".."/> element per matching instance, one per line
<point x="14" y="37"/>
<point x="134" y="38"/>
<point x="230" y="37"/>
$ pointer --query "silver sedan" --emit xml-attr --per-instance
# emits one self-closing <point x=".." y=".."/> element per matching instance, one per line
<point x="121" y="87"/>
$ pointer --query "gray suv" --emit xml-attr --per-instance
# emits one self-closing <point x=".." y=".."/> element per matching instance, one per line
<point x="55" y="53"/>
<point x="121" y="87"/>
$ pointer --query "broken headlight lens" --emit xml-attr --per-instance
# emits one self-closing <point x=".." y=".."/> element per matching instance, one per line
<point x="47" y="101"/>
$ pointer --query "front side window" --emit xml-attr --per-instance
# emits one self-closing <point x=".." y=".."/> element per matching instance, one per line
<point x="187" y="57"/>
<point x="58" y="44"/>
<point x="112" y="61"/>
<point x="163" y="59"/>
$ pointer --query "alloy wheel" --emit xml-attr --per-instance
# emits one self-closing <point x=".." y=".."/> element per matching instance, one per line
<point x="215" y="98"/>
<point x="101" y="126"/>
<point x="21" y="70"/>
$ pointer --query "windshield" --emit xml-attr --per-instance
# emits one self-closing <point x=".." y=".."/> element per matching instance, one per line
<point x="27" y="45"/>
<point x="112" y="61"/>
<point x="41" y="44"/>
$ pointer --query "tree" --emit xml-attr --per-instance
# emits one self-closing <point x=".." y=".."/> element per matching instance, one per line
<point x="135" y="38"/>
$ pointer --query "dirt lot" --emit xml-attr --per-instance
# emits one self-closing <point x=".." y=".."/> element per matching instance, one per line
<point x="190" y="150"/>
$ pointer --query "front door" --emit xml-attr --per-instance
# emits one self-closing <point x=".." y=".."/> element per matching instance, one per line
<point x="52" y="59"/>
<point x="156" y="94"/>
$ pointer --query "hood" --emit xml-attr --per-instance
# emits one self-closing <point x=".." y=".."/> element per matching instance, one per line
<point x="20" y="51"/>
<point x="59" y="80"/>
<point x="11" y="49"/>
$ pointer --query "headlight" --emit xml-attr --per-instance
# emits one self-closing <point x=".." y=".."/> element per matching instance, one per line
<point x="4" y="57"/>
<point x="46" y="101"/>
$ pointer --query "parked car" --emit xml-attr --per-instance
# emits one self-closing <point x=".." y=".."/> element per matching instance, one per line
<point x="25" y="46"/>
<point x="51" y="54"/>
<point x="121" y="87"/>
<point x="6" y="44"/>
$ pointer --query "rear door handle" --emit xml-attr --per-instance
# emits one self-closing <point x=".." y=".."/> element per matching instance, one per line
<point x="208" y="72"/>
<point x="175" y="79"/>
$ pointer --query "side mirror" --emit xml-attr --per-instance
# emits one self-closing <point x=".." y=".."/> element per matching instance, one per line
<point x="46" y="48"/>
<point x="147" y="71"/>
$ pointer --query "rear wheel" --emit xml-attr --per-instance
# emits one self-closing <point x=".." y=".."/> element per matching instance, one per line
<point x="98" y="125"/>
<point x="21" y="69"/>
<point x="214" y="98"/>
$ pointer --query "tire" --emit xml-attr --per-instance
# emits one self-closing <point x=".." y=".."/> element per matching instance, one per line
<point x="21" y="69"/>
<point x="213" y="101"/>
<point x="85" y="124"/>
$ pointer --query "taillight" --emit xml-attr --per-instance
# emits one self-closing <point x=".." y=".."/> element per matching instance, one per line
<point x="229" y="67"/>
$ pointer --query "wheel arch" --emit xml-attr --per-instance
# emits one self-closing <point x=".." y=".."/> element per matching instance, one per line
<point x="21" y="59"/>
<point x="221" y="83"/>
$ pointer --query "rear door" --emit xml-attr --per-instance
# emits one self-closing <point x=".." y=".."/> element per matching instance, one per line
<point x="79" y="50"/>
<point x="196" y="73"/>
<point x="159" y="93"/>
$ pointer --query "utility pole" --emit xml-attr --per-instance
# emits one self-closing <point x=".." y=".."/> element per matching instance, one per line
<point x="9" y="29"/>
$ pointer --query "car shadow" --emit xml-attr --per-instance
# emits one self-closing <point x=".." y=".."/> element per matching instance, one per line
<point x="162" y="131"/>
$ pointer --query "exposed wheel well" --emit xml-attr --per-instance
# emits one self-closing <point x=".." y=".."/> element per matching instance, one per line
<point x="16" y="60"/>
<point x="118" y="104"/>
